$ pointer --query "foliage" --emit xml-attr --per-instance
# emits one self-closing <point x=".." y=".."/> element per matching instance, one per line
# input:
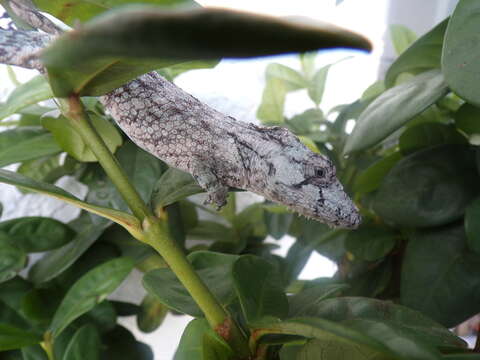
<point x="405" y="276"/>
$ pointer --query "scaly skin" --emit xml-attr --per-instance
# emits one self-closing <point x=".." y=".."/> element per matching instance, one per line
<point x="217" y="150"/>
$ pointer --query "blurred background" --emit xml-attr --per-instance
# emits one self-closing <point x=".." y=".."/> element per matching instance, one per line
<point x="235" y="88"/>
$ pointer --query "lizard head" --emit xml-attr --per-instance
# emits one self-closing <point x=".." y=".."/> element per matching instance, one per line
<point x="306" y="182"/>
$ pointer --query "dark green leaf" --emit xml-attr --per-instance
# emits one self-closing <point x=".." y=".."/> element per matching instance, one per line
<point x="32" y="147"/>
<point x="151" y="315"/>
<point x="57" y="261"/>
<point x="34" y="352"/>
<point x="426" y="135"/>
<point x="332" y="349"/>
<point x="103" y="316"/>
<point x="29" y="93"/>
<point x="123" y="308"/>
<point x="370" y="242"/>
<point x="75" y="59"/>
<point x="424" y="54"/>
<point x="89" y="290"/>
<point x="212" y="231"/>
<point x="9" y="177"/>
<point x="12" y="291"/>
<point x="85" y="344"/>
<point x="12" y="259"/>
<point x="467" y="119"/>
<point x="344" y="309"/>
<point x="71" y="142"/>
<point x="292" y="79"/>
<point x="370" y="179"/>
<point x="173" y="185"/>
<point x="213" y="268"/>
<point x="119" y="344"/>
<point x="306" y="301"/>
<point x="402" y="37"/>
<point x="439" y="276"/>
<point x="394" y="108"/>
<point x="259" y="288"/>
<point x="428" y="188"/>
<point x="273" y="100"/>
<point x="459" y="61"/>
<point x="36" y="234"/>
<point x="13" y="338"/>
<point x="278" y="223"/>
<point x="472" y="225"/>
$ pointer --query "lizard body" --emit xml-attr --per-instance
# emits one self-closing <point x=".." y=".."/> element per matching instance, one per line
<point x="217" y="150"/>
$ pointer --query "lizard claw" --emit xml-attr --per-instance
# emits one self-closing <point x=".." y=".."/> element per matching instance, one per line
<point x="218" y="198"/>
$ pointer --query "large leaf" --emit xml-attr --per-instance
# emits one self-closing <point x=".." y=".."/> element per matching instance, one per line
<point x="89" y="290"/>
<point x="259" y="288"/>
<point x="82" y="10"/>
<point x="459" y="60"/>
<point x="372" y="177"/>
<point x="370" y="242"/>
<point x="12" y="259"/>
<point x="428" y="188"/>
<point x="424" y="54"/>
<point x="402" y="37"/>
<point x="213" y="268"/>
<point x="394" y="108"/>
<point x="30" y="144"/>
<point x="305" y="302"/>
<point x="29" y="93"/>
<point x="270" y="110"/>
<point x="472" y="225"/>
<point x="36" y="234"/>
<point x="120" y="344"/>
<point x="439" y="276"/>
<point x="55" y="262"/>
<point x="70" y="140"/>
<point x="23" y="182"/>
<point x="144" y="32"/>
<point x="13" y="338"/>
<point x="344" y="309"/>
<point x="85" y="344"/>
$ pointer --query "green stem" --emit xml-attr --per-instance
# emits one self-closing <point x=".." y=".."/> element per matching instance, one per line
<point x="73" y="109"/>
<point x="155" y="231"/>
<point x="47" y="345"/>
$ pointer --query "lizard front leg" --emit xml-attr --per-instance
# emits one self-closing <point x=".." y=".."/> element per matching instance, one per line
<point x="206" y="178"/>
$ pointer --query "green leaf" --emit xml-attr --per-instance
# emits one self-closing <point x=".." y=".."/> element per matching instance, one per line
<point x="467" y="119"/>
<point x="373" y="91"/>
<point x="428" y="188"/>
<point x="89" y="290"/>
<point x="333" y="349"/>
<point x="29" y="93"/>
<point x="370" y="242"/>
<point x="55" y="262"/>
<point x="212" y="231"/>
<point x="316" y="87"/>
<point x="82" y="10"/>
<point x="292" y="79"/>
<point x="428" y="134"/>
<point x="306" y="301"/>
<point x="35" y="144"/>
<point x="215" y="348"/>
<point x="259" y="288"/>
<point x="34" y="352"/>
<point x="439" y="277"/>
<point x="120" y="344"/>
<point x="36" y="234"/>
<point x="277" y="223"/>
<point x="394" y="108"/>
<point x="213" y="268"/>
<point x="370" y="179"/>
<point x="424" y="54"/>
<point x="76" y="59"/>
<point x="402" y="37"/>
<point x="85" y="344"/>
<point x="273" y="100"/>
<point x="459" y="62"/>
<point x="71" y="142"/>
<point x="12" y="259"/>
<point x="345" y="309"/>
<point x="171" y="72"/>
<point x="126" y="220"/>
<point x="13" y="338"/>
<point x="173" y="185"/>
<point x="47" y="169"/>
<point x="151" y="315"/>
<point x="472" y="225"/>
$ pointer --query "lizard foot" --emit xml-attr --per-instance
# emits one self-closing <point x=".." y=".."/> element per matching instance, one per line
<point x="217" y="197"/>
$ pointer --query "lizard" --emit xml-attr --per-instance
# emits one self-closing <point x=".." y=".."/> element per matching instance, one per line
<point x="217" y="150"/>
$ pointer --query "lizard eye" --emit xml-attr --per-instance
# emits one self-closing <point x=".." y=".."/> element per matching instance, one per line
<point x="320" y="172"/>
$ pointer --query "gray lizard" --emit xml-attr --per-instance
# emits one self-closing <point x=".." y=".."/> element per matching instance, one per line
<point x="217" y="150"/>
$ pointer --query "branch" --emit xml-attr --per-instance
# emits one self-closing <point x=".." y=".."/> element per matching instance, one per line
<point x="32" y="17"/>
